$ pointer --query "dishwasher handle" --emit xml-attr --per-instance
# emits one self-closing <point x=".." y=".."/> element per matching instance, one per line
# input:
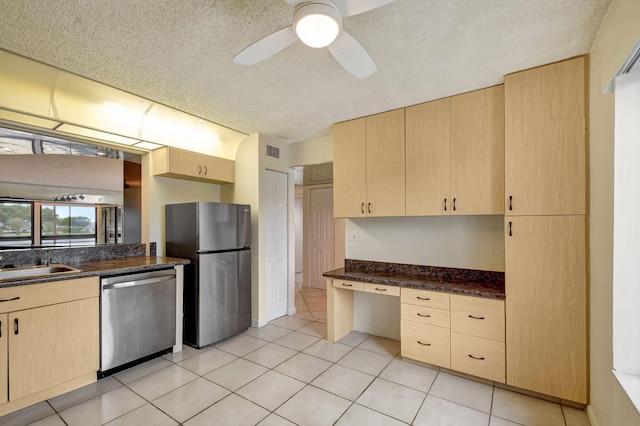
<point x="136" y="283"/>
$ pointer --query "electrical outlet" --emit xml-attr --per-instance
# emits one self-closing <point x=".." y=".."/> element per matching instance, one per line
<point x="352" y="236"/>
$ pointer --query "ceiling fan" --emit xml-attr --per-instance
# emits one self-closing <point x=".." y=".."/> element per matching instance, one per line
<point x="318" y="23"/>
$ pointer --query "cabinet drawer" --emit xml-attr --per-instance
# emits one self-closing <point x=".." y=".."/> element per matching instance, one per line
<point x="433" y="299"/>
<point x="387" y="290"/>
<point x="425" y="343"/>
<point x="424" y="315"/>
<point x="477" y="356"/>
<point x="348" y="285"/>
<point x="34" y="295"/>
<point x="478" y="317"/>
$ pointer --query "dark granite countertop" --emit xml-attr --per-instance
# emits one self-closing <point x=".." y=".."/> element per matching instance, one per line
<point x="126" y="265"/>
<point x="469" y="282"/>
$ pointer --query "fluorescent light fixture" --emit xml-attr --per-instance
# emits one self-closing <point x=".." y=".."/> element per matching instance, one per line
<point x="96" y="134"/>
<point x="28" y="119"/>
<point x="317" y="24"/>
<point x="148" y="145"/>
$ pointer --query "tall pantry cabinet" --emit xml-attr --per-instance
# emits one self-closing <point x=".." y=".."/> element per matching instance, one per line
<point x="545" y="230"/>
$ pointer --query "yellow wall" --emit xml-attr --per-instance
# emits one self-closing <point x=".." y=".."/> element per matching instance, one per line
<point x="617" y="36"/>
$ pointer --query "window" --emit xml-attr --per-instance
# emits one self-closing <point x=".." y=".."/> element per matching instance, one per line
<point x="16" y="223"/>
<point x="67" y="225"/>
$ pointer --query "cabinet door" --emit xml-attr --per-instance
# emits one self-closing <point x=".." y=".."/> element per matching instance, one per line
<point x="51" y="345"/>
<point x="545" y="140"/>
<point x="4" y="362"/>
<point x="477" y="152"/>
<point x="428" y="158"/>
<point x="385" y="164"/>
<point x="184" y="162"/>
<point x="349" y="169"/>
<point x="546" y="333"/>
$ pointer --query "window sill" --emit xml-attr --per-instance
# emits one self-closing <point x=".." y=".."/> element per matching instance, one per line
<point x="631" y="385"/>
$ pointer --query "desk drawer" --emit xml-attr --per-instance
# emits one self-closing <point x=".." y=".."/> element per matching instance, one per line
<point x="348" y="285"/>
<point x="387" y="290"/>
<point x="432" y="299"/>
<point x="424" y="315"/>
<point x="478" y="317"/>
<point x="425" y="343"/>
<point x="479" y="357"/>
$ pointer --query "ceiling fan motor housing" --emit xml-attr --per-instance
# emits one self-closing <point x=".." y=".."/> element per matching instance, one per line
<point x="317" y="23"/>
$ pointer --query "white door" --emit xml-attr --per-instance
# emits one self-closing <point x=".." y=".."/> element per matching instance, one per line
<point x="299" y="219"/>
<point x="321" y="227"/>
<point x="276" y="237"/>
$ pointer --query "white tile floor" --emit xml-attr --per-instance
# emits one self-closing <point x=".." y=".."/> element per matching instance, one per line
<point x="286" y="373"/>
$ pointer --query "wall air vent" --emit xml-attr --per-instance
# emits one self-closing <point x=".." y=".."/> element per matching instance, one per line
<point x="273" y="151"/>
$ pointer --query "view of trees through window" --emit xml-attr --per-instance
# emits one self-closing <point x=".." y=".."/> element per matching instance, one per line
<point x="61" y="224"/>
<point x="16" y="222"/>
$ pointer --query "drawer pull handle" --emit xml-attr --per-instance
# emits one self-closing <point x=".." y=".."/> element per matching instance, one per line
<point x="425" y="344"/>
<point x="9" y="300"/>
<point x="480" y="318"/>
<point x="369" y="208"/>
<point x="347" y="285"/>
<point x="0" y="328"/>
<point x="423" y="315"/>
<point x="362" y="208"/>
<point x="16" y="330"/>
<point x="423" y="298"/>
<point x="479" y="358"/>
<point x="445" y="204"/>
<point x="381" y="289"/>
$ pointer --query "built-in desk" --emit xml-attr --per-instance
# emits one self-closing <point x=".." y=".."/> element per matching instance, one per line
<point x="452" y="318"/>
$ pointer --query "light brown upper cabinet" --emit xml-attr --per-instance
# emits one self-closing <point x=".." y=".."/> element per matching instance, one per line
<point x="545" y="140"/>
<point x="369" y="166"/>
<point x="477" y="152"/>
<point x="349" y="168"/>
<point x="455" y="155"/>
<point x="188" y="165"/>
<point x="546" y="305"/>
<point x="429" y="158"/>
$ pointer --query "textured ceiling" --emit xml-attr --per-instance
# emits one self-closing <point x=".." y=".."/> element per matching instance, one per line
<point x="178" y="52"/>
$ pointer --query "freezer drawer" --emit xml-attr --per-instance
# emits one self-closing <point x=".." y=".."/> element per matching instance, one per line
<point x="224" y="297"/>
<point x="137" y="316"/>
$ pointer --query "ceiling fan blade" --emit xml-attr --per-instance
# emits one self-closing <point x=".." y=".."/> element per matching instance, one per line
<point x="354" y="7"/>
<point x="266" y="47"/>
<point x="352" y="56"/>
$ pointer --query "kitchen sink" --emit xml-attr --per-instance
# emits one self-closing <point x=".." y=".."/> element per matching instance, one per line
<point x="14" y="274"/>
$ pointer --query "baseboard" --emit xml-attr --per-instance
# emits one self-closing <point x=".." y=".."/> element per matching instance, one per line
<point x="592" y="416"/>
<point x="292" y="311"/>
<point x="258" y="323"/>
<point x="375" y="331"/>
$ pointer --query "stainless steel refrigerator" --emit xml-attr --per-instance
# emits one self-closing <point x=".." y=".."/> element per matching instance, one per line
<point x="217" y="283"/>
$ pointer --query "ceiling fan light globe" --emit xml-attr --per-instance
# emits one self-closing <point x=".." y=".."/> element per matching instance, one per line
<point x="317" y="24"/>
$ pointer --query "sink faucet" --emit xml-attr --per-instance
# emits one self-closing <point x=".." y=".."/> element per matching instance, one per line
<point x="1" y="262"/>
<point x="48" y="251"/>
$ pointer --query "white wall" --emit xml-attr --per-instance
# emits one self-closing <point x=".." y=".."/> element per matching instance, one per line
<point x="312" y="151"/>
<point x="609" y="404"/>
<point x="626" y="231"/>
<point x="472" y="242"/>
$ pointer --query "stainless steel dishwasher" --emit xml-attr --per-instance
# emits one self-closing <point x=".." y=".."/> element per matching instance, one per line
<point x="137" y="317"/>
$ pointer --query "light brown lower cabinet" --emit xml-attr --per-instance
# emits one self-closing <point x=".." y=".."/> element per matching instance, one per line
<point x="546" y="309"/>
<point x="49" y="343"/>
<point x="426" y="343"/>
